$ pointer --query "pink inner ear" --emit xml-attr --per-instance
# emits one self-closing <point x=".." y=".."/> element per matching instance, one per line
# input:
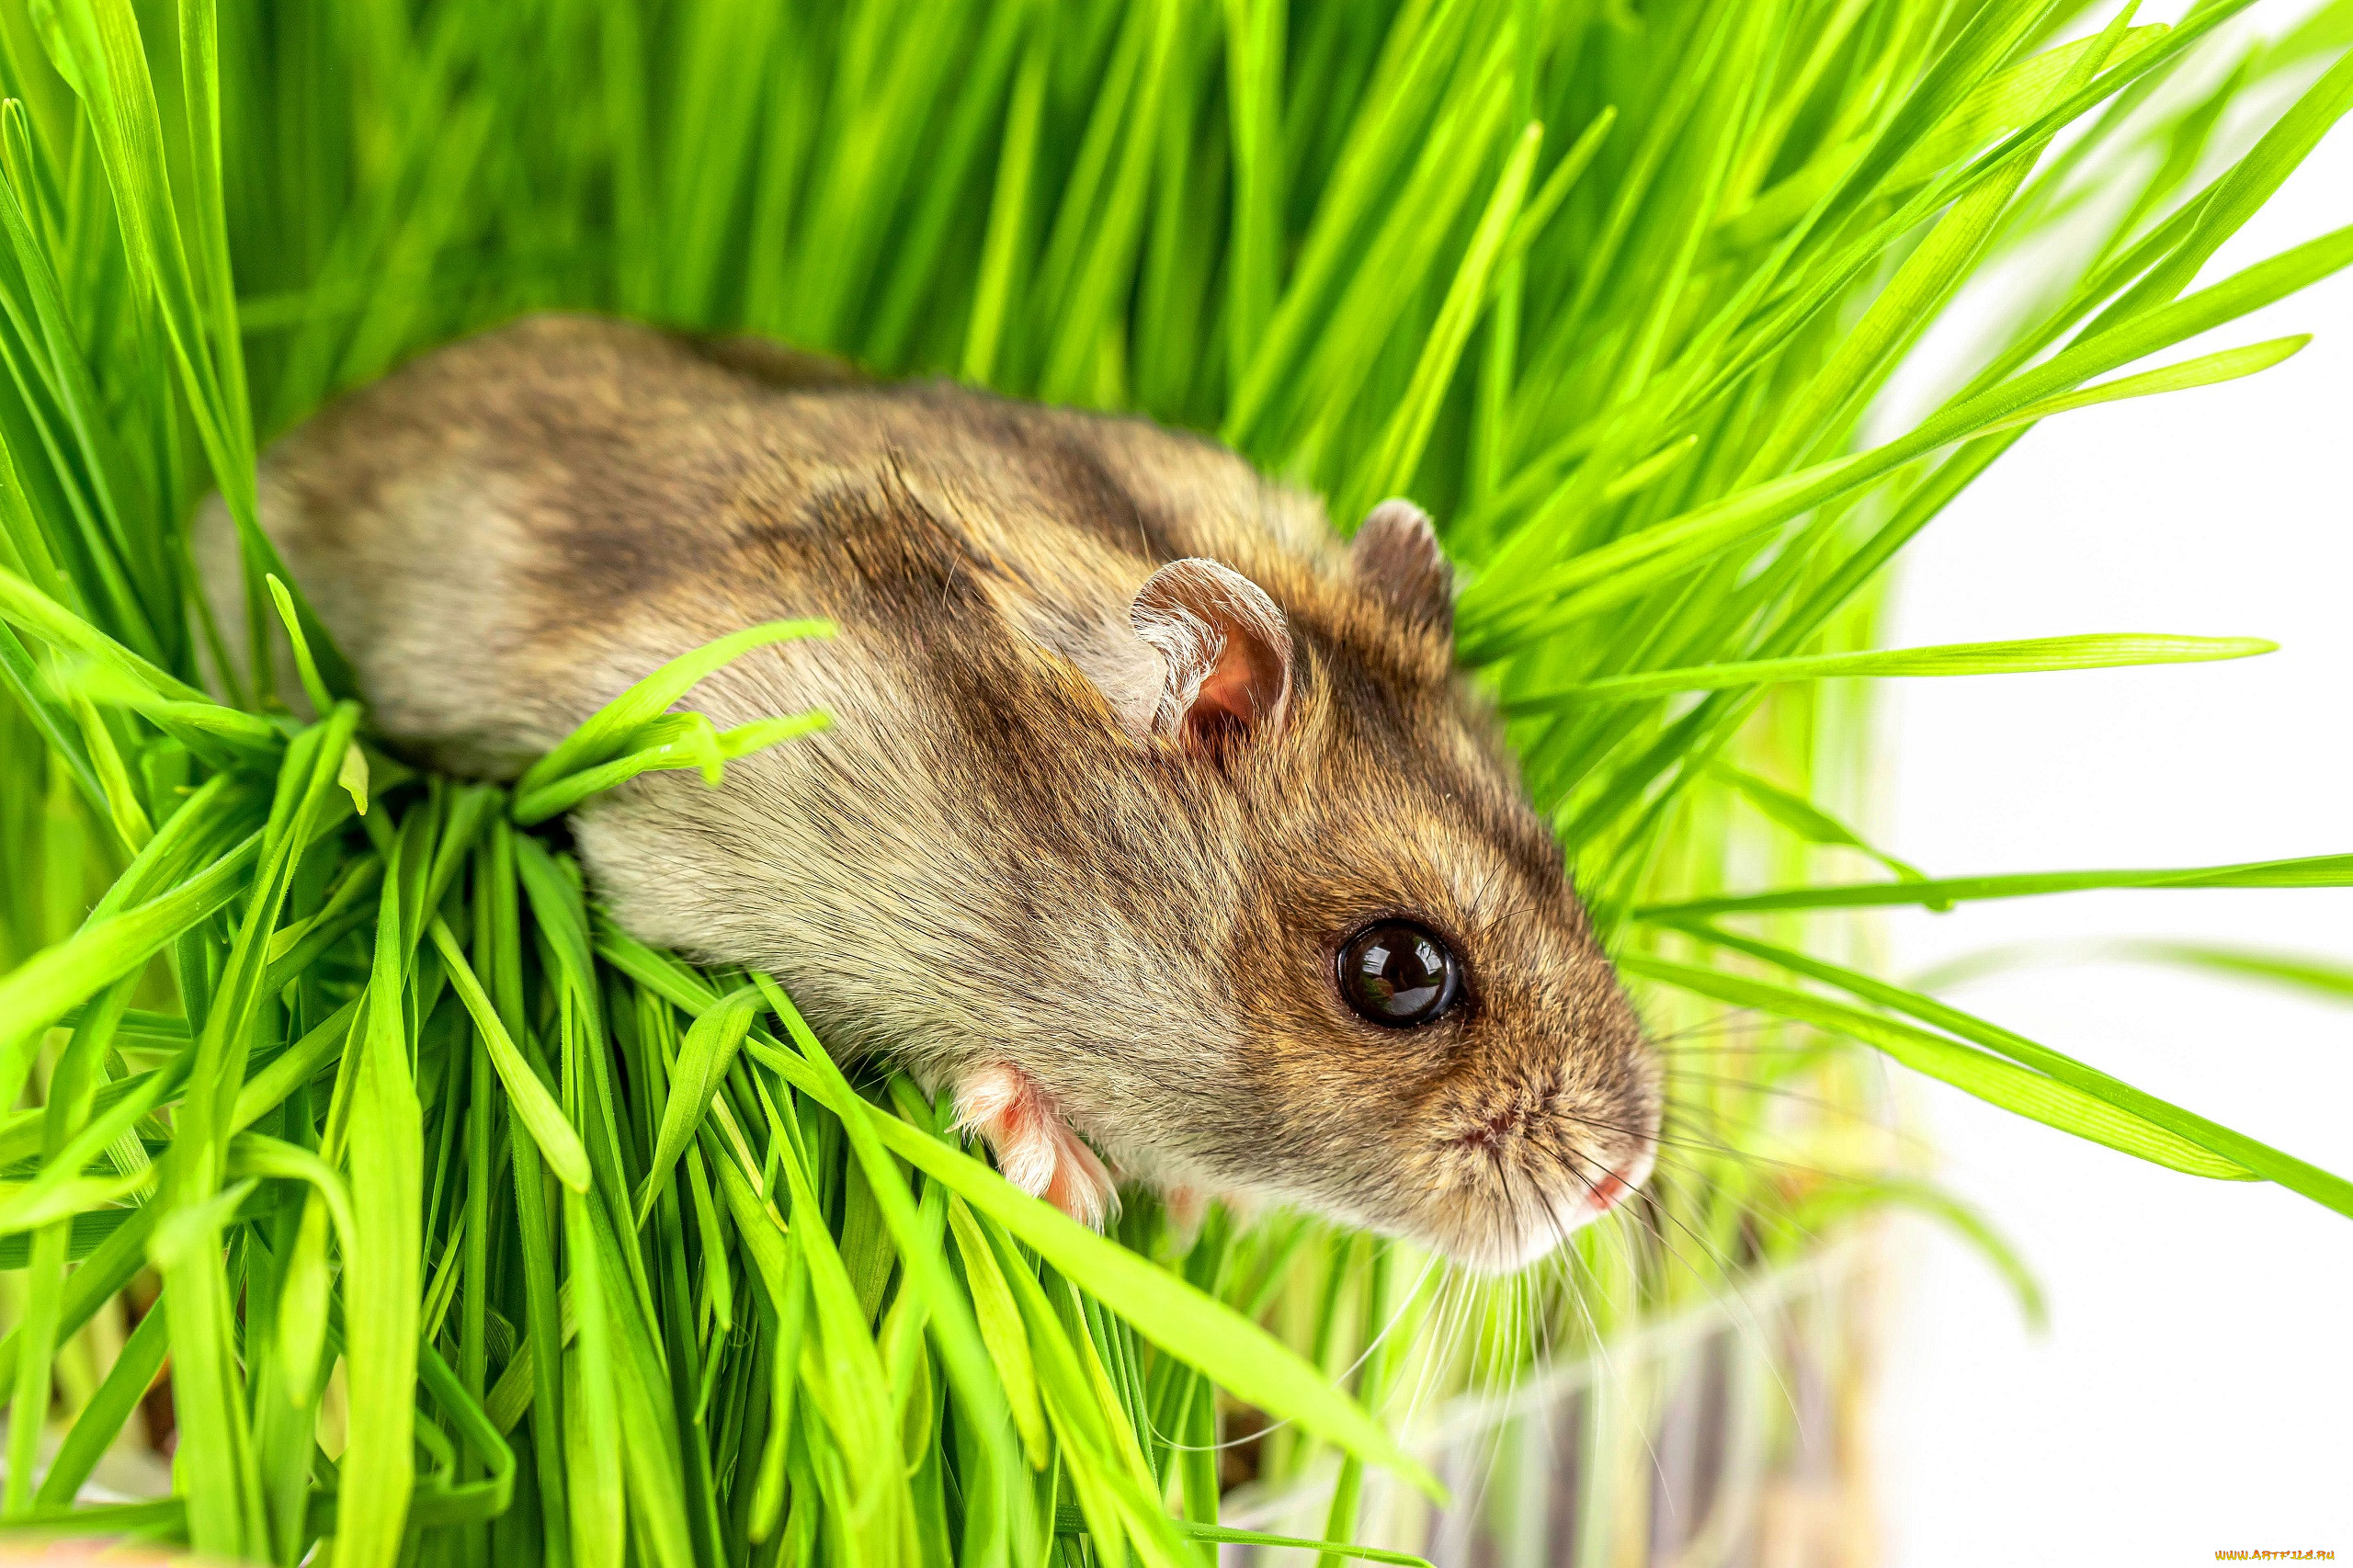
<point x="1240" y="689"/>
<point x="1227" y="648"/>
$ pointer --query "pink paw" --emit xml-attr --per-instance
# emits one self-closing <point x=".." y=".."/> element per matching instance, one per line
<point x="1187" y="1208"/>
<point x="1036" y="1149"/>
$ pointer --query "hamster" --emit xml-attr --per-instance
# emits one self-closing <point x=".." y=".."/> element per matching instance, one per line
<point x="1153" y="825"/>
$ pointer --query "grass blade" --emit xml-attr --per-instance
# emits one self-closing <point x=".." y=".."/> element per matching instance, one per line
<point x="2024" y="656"/>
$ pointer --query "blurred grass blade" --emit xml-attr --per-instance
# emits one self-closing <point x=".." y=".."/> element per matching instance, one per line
<point x="2327" y="979"/>
<point x="1832" y="1203"/>
<point x="1807" y="820"/>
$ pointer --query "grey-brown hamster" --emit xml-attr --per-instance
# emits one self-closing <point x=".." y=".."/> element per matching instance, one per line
<point x="1148" y="809"/>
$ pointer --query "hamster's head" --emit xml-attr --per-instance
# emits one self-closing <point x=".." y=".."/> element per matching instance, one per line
<point x="1428" y="1038"/>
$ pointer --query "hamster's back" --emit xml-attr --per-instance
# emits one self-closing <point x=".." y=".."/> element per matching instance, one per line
<point x="507" y="531"/>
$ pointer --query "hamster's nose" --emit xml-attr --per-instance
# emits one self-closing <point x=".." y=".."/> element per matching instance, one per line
<point x="1606" y="1194"/>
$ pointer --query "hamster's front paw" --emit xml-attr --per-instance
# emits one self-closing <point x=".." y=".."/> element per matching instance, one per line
<point x="1187" y="1206"/>
<point x="1036" y="1149"/>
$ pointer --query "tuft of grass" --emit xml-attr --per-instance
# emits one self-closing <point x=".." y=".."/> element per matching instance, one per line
<point x="328" y="1080"/>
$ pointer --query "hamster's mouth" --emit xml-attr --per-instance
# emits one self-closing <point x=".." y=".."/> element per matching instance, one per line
<point x="1615" y="1186"/>
<point x="1498" y="1209"/>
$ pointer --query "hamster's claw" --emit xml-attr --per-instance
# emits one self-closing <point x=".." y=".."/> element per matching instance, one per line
<point x="1035" y="1148"/>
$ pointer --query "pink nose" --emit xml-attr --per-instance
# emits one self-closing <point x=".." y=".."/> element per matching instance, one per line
<point x="1607" y="1192"/>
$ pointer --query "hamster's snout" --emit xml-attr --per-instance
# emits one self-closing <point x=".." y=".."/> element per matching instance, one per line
<point x="1513" y="1180"/>
<point x="1547" y="1118"/>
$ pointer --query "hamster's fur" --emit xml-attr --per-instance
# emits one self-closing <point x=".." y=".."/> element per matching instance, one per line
<point x="1125" y="744"/>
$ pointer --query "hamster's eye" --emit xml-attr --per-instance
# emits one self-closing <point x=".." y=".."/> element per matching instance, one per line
<point x="1396" y="975"/>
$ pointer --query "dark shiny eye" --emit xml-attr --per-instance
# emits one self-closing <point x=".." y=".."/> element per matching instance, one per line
<point x="1396" y="975"/>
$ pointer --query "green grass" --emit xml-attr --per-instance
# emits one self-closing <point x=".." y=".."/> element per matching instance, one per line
<point x="570" y="1252"/>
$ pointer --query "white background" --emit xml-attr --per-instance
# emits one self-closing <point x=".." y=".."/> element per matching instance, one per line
<point x="2195" y="1390"/>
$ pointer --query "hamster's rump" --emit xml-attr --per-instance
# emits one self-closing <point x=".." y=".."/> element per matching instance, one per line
<point x="1125" y="746"/>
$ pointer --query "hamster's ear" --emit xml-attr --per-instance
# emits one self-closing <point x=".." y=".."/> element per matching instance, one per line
<point x="1395" y="554"/>
<point x="1227" y="648"/>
